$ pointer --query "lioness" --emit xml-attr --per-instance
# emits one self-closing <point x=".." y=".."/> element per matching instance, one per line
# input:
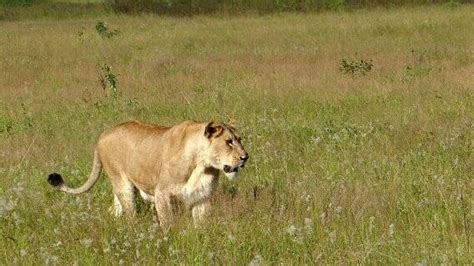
<point x="164" y="163"/>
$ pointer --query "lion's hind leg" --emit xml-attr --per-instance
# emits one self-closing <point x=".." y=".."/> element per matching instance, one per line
<point x="116" y="209"/>
<point x="124" y="198"/>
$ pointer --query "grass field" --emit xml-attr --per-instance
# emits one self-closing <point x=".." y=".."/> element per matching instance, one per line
<point x="373" y="166"/>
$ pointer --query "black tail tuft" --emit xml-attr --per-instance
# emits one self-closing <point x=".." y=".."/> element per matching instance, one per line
<point x="55" y="179"/>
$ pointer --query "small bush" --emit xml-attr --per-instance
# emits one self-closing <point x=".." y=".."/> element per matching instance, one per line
<point x="414" y="71"/>
<point x="6" y="125"/>
<point x="335" y="4"/>
<point x="108" y="79"/>
<point x="187" y="7"/>
<point x="104" y="31"/>
<point x="20" y="2"/>
<point x="355" y="67"/>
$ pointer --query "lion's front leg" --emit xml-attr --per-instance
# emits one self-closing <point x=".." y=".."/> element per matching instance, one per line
<point x="201" y="211"/>
<point x="163" y="209"/>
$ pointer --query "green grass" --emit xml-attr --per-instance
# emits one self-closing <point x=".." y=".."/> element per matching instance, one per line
<point x="66" y="9"/>
<point x="344" y="168"/>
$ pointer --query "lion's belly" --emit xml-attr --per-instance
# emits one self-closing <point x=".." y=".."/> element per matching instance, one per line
<point x="147" y="197"/>
<point x="189" y="194"/>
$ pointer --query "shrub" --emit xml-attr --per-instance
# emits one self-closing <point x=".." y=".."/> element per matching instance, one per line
<point x="109" y="79"/>
<point x="191" y="7"/>
<point x="20" y="2"/>
<point x="354" y="67"/>
<point x="104" y="31"/>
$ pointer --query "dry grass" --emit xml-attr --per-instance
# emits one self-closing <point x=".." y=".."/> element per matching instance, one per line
<point x="373" y="168"/>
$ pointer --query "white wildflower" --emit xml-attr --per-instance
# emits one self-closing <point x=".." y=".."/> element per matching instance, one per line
<point x="140" y="237"/>
<point x="86" y="242"/>
<point x="291" y="230"/>
<point x="78" y="201"/>
<point x="89" y="203"/>
<point x="172" y="251"/>
<point x="256" y="261"/>
<point x="23" y="252"/>
<point x="5" y="205"/>
<point x="308" y="225"/>
<point x="308" y="198"/>
<point x="50" y="259"/>
<point x="332" y="236"/>
<point x="322" y="217"/>
<point x="460" y="250"/>
<point x="391" y="230"/>
<point x="422" y="263"/>
<point x="296" y="233"/>
<point x="231" y="238"/>
<point x="444" y="259"/>
<point x="18" y="189"/>
<point x="158" y="243"/>
<point x="16" y="218"/>
<point x="211" y="255"/>
<point x="281" y="210"/>
<point x="315" y="140"/>
<point x="299" y="237"/>
<point x="371" y="224"/>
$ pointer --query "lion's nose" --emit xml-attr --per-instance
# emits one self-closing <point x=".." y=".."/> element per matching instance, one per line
<point x="244" y="157"/>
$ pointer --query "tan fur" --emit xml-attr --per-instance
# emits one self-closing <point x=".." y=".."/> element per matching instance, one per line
<point x="165" y="163"/>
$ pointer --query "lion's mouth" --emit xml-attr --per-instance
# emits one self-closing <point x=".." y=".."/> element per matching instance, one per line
<point x="229" y="169"/>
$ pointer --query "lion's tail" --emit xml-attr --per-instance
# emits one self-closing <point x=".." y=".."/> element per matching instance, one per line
<point x="57" y="181"/>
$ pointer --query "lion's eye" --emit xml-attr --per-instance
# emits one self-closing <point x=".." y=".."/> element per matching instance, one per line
<point x="229" y="142"/>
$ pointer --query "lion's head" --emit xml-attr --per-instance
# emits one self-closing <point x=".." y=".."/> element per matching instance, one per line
<point x="225" y="150"/>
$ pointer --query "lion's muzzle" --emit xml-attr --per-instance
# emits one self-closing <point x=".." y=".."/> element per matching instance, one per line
<point x="243" y="159"/>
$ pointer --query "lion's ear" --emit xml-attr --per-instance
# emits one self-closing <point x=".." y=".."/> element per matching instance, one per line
<point x="212" y="129"/>
<point x="231" y="123"/>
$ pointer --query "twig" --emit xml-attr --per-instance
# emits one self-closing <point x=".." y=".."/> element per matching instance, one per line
<point x="26" y="153"/>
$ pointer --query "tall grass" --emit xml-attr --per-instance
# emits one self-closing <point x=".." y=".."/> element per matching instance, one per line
<point x="189" y="7"/>
<point x="344" y="168"/>
<point x="21" y="2"/>
<point x="20" y="9"/>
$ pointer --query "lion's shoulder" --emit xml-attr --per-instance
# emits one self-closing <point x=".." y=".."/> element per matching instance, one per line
<point x="187" y="131"/>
